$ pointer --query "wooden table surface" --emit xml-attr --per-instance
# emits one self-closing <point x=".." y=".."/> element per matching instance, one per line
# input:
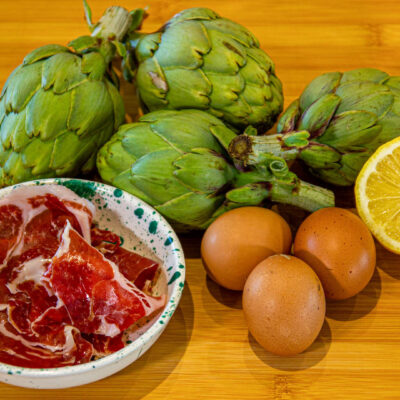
<point x="206" y="352"/>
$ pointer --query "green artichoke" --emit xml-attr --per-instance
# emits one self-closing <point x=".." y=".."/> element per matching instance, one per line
<point x="61" y="105"/>
<point x="176" y="161"/>
<point x="203" y="61"/>
<point x="334" y="127"/>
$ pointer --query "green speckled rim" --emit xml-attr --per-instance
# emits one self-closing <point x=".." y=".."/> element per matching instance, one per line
<point x="162" y="235"/>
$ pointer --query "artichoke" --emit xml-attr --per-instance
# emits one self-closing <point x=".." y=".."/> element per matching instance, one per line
<point x="177" y="162"/>
<point x="200" y="60"/>
<point x="62" y="104"/>
<point x="334" y="127"/>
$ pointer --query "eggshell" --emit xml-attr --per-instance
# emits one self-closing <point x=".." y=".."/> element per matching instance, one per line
<point x="284" y="305"/>
<point x="340" y="249"/>
<point x="238" y="240"/>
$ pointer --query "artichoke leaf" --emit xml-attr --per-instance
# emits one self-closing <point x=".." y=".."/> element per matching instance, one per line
<point x="23" y="85"/>
<point x="94" y="65"/>
<point x="44" y="52"/>
<point x="251" y="194"/>
<point x="233" y="30"/>
<point x="323" y="84"/>
<point x="84" y="43"/>
<point x="191" y="209"/>
<point x="152" y="82"/>
<point x="153" y="174"/>
<point x="227" y="56"/>
<point x="19" y="137"/>
<point x="7" y="129"/>
<point x="364" y="74"/>
<point x="203" y="171"/>
<point x="123" y="181"/>
<point x="2" y="110"/>
<point x="62" y="72"/>
<point x="139" y="142"/>
<point x="365" y="96"/>
<point x="351" y="128"/>
<point x="147" y="45"/>
<point x="288" y="121"/>
<point x="119" y="107"/>
<point x="47" y="124"/>
<point x="225" y="89"/>
<point x="317" y="117"/>
<point x="183" y="137"/>
<point x="15" y="170"/>
<point x="113" y="158"/>
<point x="194" y="14"/>
<point x="91" y="107"/>
<point x="37" y="154"/>
<point x="187" y="88"/>
<point x="183" y="46"/>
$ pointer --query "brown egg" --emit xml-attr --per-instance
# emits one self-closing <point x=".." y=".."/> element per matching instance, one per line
<point x="238" y="240"/>
<point x="284" y="305"/>
<point x="340" y="249"/>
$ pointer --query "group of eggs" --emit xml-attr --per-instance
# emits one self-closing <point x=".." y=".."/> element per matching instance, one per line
<point x="248" y="249"/>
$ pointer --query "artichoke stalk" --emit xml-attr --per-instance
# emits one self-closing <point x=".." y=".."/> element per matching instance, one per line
<point x="334" y="127"/>
<point x="177" y="162"/>
<point x="200" y="60"/>
<point x="62" y="104"/>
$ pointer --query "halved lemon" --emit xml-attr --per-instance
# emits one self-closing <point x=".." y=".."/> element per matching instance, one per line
<point x="377" y="194"/>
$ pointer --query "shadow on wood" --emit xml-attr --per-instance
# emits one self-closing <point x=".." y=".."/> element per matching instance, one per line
<point x="312" y="356"/>
<point x="388" y="262"/>
<point x="229" y="298"/>
<point x="357" y="306"/>
<point x="191" y="243"/>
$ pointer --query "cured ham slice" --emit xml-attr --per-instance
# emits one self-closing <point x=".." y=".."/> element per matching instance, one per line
<point x="98" y="297"/>
<point x="62" y="300"/>
<point x="135" y="268"/>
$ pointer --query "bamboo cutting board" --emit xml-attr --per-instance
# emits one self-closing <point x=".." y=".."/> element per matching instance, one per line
<point x="206" y="352"/>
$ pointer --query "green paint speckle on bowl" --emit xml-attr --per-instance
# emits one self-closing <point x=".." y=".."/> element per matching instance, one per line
<point x="168" y="241"/>
<point x="84" y="189"/>
<point x="174" y="277"/>
<point x="139" y="212"/>
<point x="117" y="192"/>
<point x="181" y="266"/>
<point x="153" y="227"/>
<point x="121" y="238"/>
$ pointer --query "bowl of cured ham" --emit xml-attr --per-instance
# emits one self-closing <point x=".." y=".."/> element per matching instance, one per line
<point x="89" y="278"/>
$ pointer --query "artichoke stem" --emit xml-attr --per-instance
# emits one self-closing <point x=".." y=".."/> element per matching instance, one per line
<point x="252" y="150"/>
<point x="304" y="195"/>
<point x="114" y="24"/>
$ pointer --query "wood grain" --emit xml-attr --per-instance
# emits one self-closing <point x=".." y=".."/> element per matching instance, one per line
<point x="206" y="352"/>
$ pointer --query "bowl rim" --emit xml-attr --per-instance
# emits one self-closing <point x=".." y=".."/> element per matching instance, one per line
<point x="154" y="330"/>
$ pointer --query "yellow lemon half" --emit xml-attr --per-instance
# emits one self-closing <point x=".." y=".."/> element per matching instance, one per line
<point x="377" y="193"/>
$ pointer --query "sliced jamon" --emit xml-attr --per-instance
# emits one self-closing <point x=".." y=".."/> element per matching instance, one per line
<point x="133" y="266"/>
<point x="98" y="297"/>
<point x="65" y="347"/>
<point x="10" y="227"/>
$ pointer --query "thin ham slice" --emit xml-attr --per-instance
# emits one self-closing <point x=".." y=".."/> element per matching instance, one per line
<point x="99" y="299"/>
<point x="134" y="267"/>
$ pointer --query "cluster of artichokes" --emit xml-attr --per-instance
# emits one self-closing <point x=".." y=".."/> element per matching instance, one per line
<point x="208" y="92"/>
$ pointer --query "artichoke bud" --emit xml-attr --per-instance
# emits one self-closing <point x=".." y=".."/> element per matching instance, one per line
<point x="348" y="116"/>
<point x="199" y="60"/>
<point x="61" y="105"/>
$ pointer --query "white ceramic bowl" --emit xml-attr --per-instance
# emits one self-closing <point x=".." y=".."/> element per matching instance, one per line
<point x="123" y="214"/>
